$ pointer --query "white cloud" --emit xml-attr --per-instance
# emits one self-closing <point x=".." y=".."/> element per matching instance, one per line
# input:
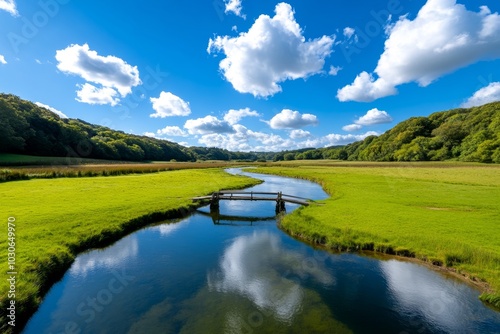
<point x="374" y="116"/>
<point x="111" y="72"/>
<point x="149" y="134"/>
<point x="234" y="6"/>
<point x="9" y="6"/>
<point x="444" y="37"/>
<point x="208" y="125"/>
<point x="234" y="116"/>
<point x="289" y="119"/>
<point x="168" y="104"/>
<point x="299" y="134"/>
<point x="366" y="89"/>
<point x="272" y="51"/>
<point x="244" y="140"/>
<point x="334" y="70"/>
<point x="94" y="95"/>
<point x="352" y="127"/>
<point x="338" y="139"/>
<point x="2" y="60"/>
<point x="490" y="93"/>
<point x="348" y="32"/>
<point x="54" y="110"/>
<point x="173" y="131"/>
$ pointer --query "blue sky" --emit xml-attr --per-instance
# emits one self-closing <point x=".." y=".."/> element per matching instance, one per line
<point x="251" y="75"/>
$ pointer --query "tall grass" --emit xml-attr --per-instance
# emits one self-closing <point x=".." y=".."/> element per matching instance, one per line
<point x="442" y="214"/>
<point x="92" y="170"/>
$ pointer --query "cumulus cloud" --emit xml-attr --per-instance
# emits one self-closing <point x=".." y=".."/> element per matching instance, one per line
<point x="272" y="51"/>
<point x="2" y="60"/>
<point x="207" y="125"/>
<point x="348" y="32"/>
<point x="168" y="104"/>
<point x="54" y="110"/>
<point x="365" y="89"/>
<point x="234" y="6"/>
<point x="334" y="70"/>
<point x="234" y="116"/>
<point x="289" y="119"/>
<point x="173" y="131"/>
<point x="111" y="72"/>
<point x="9" y="6"/>
<point x="490" y="93"/>
<point x="339" y="139"/>
<point x="93" y="95"/>
<point x="149" y="134"/>
<point x="244" y="139"/>
<point x="299" y="134"/>
<point x="444" y="37"/>
<point x="374" y="116"/>
<point x="352" y="127"/>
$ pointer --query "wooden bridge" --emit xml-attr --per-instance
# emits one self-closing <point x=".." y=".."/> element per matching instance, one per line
<point x="236" y="195"/>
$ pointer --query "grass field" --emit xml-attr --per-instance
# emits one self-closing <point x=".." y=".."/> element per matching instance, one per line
<point x="15" y="167"/>
<point x="445" y="214"/>
<point x="58" y="218"/>
<point x="8" y="159"/>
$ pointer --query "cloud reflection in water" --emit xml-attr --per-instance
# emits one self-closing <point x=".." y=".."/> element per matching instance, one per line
<point x="123" y="251"/>
<point x="258" y="267"/>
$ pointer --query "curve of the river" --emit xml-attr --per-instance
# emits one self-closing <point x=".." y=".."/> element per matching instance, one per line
<point x="246" y="276"/>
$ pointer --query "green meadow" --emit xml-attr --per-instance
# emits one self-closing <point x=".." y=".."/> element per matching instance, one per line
<point x="58" y="218"/>
<point x="444" y="214"/>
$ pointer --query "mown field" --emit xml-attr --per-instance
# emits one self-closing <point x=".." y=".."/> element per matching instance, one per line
<point x="58" y="218"/>
<point x="445" y="214"/>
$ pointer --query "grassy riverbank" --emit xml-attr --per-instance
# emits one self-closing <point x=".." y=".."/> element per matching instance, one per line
<point x="58" y="218"/>
<point x="445" y="214"/>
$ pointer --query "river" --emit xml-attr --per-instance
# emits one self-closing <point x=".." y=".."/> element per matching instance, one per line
<point x="241" y="275"/>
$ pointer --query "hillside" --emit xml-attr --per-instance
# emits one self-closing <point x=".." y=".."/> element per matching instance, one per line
<point x="471" y="134"/>
<point x="32" y="130"/>
<point x="462" y="134"/>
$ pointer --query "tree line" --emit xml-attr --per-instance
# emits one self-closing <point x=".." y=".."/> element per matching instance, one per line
<point x="464" y="134"/>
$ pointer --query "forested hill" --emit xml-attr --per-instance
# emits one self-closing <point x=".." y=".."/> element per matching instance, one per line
<point x="471" y="134"/>
<point x="28" y="129"/>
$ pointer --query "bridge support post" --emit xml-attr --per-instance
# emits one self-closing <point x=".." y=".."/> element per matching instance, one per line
<point x="280" y="204"/>
<point x="214" y="202"/>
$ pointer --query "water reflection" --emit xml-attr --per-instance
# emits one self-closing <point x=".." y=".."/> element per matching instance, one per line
<point x="219" y="219"/>
<point x="194" y="277"/>
<point x="125" y="250"/>
<point x="448" y="304"/>
<point x="167" y="229"/>
<point x="261" y="269"/>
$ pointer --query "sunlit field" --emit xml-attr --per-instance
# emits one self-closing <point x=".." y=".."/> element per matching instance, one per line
<point x="56" y="219"/>
<point x="444" y="214"/>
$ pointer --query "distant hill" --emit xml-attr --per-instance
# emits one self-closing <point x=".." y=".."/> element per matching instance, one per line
<point x="30" y="129"/>
<point x="464" y="134"/>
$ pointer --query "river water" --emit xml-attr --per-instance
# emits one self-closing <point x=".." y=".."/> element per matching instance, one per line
<point x="241" y="275"/>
